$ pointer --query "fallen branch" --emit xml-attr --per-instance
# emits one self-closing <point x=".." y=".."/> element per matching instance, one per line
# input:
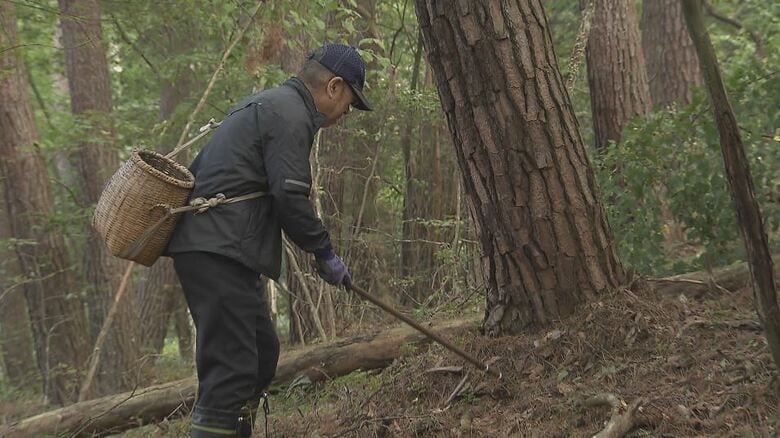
<point x="458" y="390"/>
<point x="113" y="414"/>
<point x="731" y="278"/>
<point x="94" y="360"/>
<point x="454" y="370"/>
<point x="737" y="324"/>
<point x="623" y="417"/>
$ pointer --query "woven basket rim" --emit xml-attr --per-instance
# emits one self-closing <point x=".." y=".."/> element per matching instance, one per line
<point x="136" y="156"/>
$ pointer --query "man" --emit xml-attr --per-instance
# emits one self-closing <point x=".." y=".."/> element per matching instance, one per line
<point x="261" y="150"/>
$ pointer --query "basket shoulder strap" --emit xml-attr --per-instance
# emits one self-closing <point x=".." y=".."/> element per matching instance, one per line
<point x="198" y="205"/>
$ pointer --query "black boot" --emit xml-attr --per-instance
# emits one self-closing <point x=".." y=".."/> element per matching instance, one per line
<point x="214" y="423"/>
<point x="246" y="422"/>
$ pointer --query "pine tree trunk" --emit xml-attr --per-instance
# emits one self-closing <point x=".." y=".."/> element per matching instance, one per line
<point x="90" y="92"/>
<point x="672" y="67"/>
<point x="546" y="244"/>
<point x="58" y="320"/>
<point x="16" y="343"/>
<point x="617" y="77"/>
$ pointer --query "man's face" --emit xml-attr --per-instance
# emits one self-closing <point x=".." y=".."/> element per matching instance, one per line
<point x="339" y="97"/>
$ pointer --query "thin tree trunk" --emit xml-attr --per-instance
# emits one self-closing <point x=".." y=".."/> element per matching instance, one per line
<point x="672" y="67"/>
<point x="16" y="344"/>
<point x="184" y="329"/>
<point x="617" y="76"/>
<point x="545" y="241"/>
<point x="59" y="323"/>
<point x="411" y="268"/>
<point x="156" y="297"/>
<point x="90" y="91"/>
<point x="749" y="217"/>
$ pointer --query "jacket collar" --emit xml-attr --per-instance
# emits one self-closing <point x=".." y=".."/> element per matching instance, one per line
<point x="317" y="117"/>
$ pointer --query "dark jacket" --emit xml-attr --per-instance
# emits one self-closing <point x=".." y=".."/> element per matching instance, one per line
<point x="263" y="144"/>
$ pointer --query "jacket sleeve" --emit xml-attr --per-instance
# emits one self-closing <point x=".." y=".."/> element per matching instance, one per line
<point x="286" y="159"/>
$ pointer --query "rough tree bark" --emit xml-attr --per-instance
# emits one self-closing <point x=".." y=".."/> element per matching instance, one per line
<point x="58" y="319"/>
<point x="546" y="244"/>
<point x="672" y="67"/>
<point x="617" y="77"/>
<point x="97" y="159"/>
<point x="749" y="218"/>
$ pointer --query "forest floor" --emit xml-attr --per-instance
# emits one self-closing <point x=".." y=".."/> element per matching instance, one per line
<point x="700" y="366"/>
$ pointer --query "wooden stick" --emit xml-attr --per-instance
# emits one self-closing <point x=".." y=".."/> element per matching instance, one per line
<point x="101" y="339"/>
<point x="213" y="79"/>
<point x="427" y="332"/>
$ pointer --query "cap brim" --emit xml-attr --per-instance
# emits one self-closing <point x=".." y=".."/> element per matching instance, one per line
<point x="362" y="104"/>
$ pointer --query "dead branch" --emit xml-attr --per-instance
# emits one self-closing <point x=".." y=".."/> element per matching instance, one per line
<point x="623" y="417"/>
<point x="94" y="360"/>
<point x="731" y="278"/>
<point x="737" y="324"/>
<point x="757" y="40"/>
<point x="458" y="389"/>
<point x="220" y="67"/>
<point x="454" y="370"/>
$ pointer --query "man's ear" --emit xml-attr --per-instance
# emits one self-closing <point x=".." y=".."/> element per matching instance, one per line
<point x="335" y="84"/>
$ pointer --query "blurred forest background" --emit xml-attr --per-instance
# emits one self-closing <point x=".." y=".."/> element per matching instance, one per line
<point x="104" y="77"/>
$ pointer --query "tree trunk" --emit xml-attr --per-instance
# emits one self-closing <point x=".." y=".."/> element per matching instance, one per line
<point x="749" y="218"/>
<point x="90" y="98"/>
<point x="672" y="67"/>
<point x="111" y="415"/>
<point x="16" y="343"/>
<point x="545" y="241"/>
<point x="159" y="293"/>
<point x="415" y="266"/>
<point x="617" y="77"/>
<point x="156" y="297"/>
<point x="59" y="323"/>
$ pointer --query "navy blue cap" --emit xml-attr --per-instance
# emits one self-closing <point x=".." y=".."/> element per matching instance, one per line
<point x="345" y="62"/>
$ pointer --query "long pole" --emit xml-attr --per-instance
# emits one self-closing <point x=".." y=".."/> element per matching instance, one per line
<point x="427" y="332"/>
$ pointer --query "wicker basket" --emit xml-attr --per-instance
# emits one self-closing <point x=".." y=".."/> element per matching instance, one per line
<point x="130" y="204"/>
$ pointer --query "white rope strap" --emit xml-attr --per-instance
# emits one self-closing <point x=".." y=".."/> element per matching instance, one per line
<point x="198" y="205"/>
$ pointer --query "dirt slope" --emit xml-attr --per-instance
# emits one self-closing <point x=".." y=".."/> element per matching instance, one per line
<point x="700" y="364"/>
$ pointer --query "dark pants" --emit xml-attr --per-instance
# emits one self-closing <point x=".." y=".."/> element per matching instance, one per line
<point x="237" y="348"/>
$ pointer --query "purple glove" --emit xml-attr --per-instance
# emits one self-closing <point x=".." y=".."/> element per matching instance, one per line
<point x="331" y="268"/>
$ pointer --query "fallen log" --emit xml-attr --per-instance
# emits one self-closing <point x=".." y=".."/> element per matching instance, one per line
<point x="113" y="414"/>
<point x="731" y="278"/>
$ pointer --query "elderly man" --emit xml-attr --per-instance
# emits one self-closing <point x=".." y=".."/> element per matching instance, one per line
<point x="260" y="155"/>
